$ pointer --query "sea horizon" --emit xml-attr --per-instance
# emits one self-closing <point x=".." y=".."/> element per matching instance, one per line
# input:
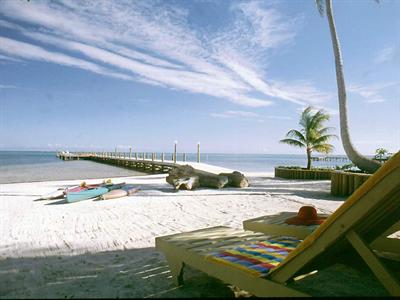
<point x="211" y="152"/>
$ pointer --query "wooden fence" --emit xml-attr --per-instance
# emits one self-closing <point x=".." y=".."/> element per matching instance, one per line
<point x="302" y="173"/>
<point x="345" y="183"/>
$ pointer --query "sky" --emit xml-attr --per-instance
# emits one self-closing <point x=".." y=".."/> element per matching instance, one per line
<point x="233" y="76"/>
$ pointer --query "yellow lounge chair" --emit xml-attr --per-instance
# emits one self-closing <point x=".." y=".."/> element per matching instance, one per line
<point x="275" y="224"/>
<point x="366" y="215"/>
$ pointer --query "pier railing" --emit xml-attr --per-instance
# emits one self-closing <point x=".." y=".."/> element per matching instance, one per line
<point x="330" y="158"/>
<point x="141" y="161"/>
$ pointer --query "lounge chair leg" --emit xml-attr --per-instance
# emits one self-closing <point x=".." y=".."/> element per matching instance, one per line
<point x="383" y="275"/>
<point x="176" y="268"/>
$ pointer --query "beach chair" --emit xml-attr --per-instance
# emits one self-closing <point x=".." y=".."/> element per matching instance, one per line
<point x="264" y="265"/>
<point x="275" y="224"/>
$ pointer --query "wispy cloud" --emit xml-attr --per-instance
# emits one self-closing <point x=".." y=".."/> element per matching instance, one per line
<point x="267" y="27"/>
<point x="234" y="113"/>
<point x="247" y="115"/>
<point x="29" y="51"/>
<point x="371" y="93"/>
<point x="278" y="117"/>
<point x="152" y="42"/>
<point x="389" y="54"/>
<point x="9" y="58"/>
<point x="7" y="86"/>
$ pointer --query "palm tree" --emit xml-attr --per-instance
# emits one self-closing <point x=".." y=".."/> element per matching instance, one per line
<point x="313" y="135"/>
<point x="359" y="160"/>
<point x="380" y="153"/>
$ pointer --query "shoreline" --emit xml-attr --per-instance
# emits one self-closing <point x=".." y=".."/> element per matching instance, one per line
<point x="73" y="170"/>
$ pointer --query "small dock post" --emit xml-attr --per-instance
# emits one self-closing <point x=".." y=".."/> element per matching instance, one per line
<point x="162" y="157"/>
<point x="175" y="143"/>
<point x="184" y="156"/>
<point x="130" y="152"/>
<point x="198" y="152"/>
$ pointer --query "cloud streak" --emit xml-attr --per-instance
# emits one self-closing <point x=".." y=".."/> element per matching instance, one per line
<point x="371" y="93"/>
<point x="246" y="115"/>
<point x="152" y="42"/>
<point x="234" y="113"/>
<point x="388" y="55"/>
<point x="28" y="51"/>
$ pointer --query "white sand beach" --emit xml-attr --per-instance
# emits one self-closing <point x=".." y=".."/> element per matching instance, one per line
<point x="54" y="249"/>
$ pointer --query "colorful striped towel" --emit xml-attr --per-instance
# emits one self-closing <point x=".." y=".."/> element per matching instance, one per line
<point x="258" y="258"/>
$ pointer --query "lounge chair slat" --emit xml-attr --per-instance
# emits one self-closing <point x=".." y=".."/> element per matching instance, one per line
<point x="258" y="286"/>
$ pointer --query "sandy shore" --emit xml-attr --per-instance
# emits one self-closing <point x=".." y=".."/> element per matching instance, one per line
<point x="106" y="248"/>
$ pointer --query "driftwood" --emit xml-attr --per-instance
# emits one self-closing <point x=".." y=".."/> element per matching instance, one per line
<point x="183" y="178"/>
<point x="236" y="179"/>
<point x="188" y="178"/>
<point x="187" y="183"/>
<point x="213" y="181"/>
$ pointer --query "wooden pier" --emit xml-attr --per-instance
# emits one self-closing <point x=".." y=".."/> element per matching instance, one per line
<point x="142" y="162"/>
<point x="330" y="158"/>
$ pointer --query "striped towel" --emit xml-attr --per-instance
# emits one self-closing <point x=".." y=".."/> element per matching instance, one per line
<point x="258" y="258"/>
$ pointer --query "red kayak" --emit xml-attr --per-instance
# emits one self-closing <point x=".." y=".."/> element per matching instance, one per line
<point x="109" y="186"/>
<point x="79" y="188"/>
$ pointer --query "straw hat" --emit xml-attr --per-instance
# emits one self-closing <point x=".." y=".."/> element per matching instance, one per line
<point x="307" y="215"/>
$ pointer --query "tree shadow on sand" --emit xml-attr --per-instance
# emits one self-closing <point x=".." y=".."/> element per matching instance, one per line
<point x="133" y="273"/>
<point x="144" y="273"/>
<point x="314" y="189"/>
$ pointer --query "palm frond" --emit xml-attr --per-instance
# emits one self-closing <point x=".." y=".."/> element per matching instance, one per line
<point x="305" y="117"/>
<point x="318" y="119"/>
<point x="296" y="134"/>
<point x="323" y="148"/>
<point x="292" y="142"/>
<point x="323" y="139"/>
<point x="326" y="130"/>
<point x="321" y="7"/>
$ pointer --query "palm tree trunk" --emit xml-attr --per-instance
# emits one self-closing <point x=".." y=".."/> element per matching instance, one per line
<point x="359" y="160"/>
<point x="308" y="158"/>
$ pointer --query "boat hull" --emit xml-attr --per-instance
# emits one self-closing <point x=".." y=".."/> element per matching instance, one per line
<point x="115" y="186"/>
<point x="118" y="193"/>
<point x="85" y="194"/>
<point x="53" y="195"/>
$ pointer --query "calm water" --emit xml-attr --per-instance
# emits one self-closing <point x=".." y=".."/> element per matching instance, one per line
<point x="26" y="166"/>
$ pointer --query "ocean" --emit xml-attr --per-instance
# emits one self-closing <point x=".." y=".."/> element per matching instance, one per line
<point x="29" y="166"/>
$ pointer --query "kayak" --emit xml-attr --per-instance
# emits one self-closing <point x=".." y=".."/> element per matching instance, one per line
<point x="132" y="191"/>
<point x="118" y="193"/>
<point x="114" y="186"/>
<point x="127" y="187"/>
<point x="109" y="186"/>
<point x="85" y="194"/>
<point x="78" y="188"/>
<point x="113" y="194"/>
<point x="53" y="195"/>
